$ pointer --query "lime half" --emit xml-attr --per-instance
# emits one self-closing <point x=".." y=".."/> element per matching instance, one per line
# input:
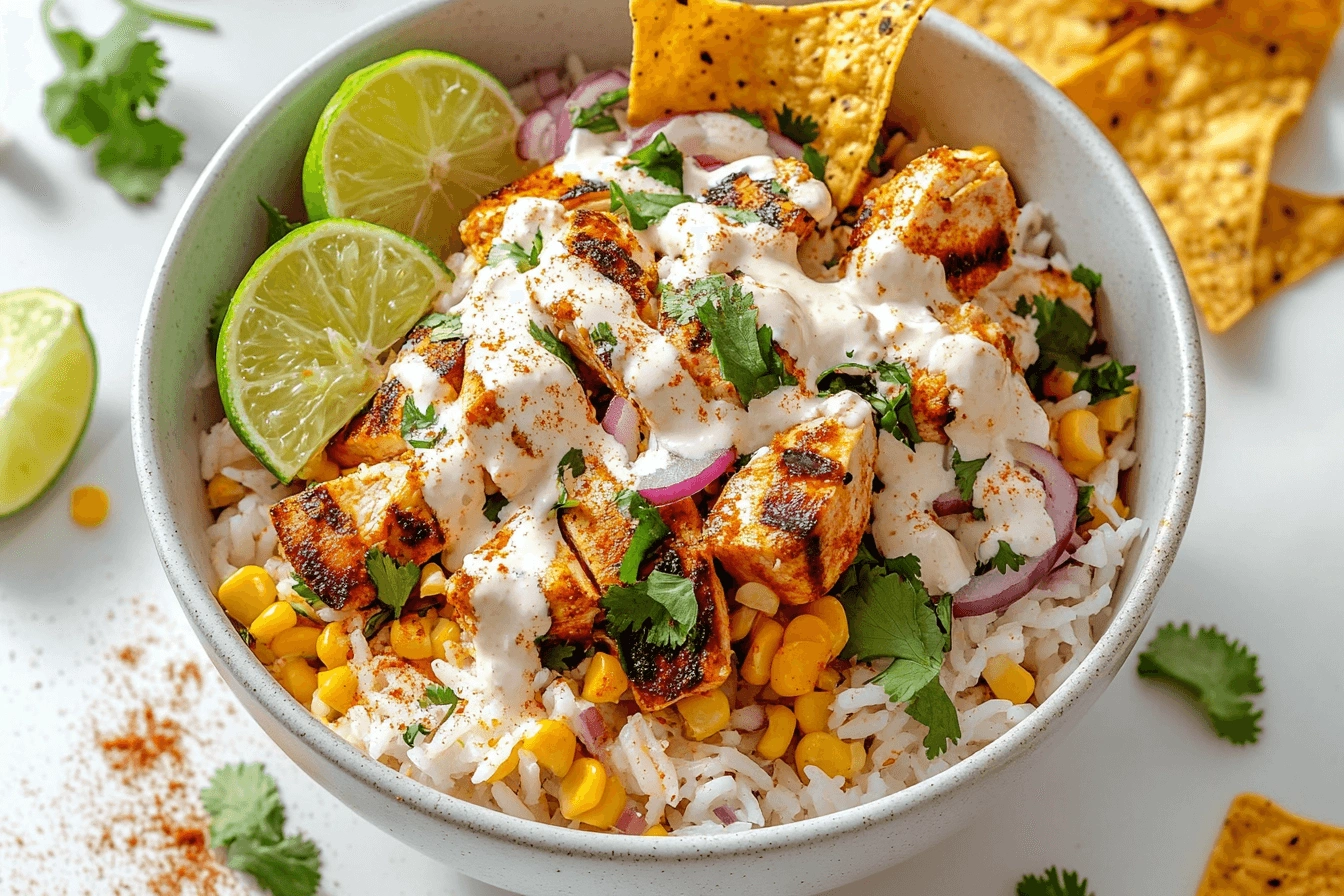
<point x="301" y="347"/>
<point x="48" y="373"/>
<point x="412" y="143"/>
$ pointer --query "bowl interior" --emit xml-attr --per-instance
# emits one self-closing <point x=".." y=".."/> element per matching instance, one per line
<point x="961" y="86"/>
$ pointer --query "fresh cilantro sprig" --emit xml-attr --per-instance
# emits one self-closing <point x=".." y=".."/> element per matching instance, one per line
<point x="1004" y="559"/>
<point x="394" y="580"/>
<point x="1061" y="333"/>
<point x="493" y="505"/>
<point x="895" y="414"/>
<point x="815" y="162"/>
<point x="416" y="424"/>
<point x="308" y="594"/>
<point x="1219" y="672"/>
<point x="660" y="160"/>
<point x="442" y="327"/>
<point x="248" y="820"/>
<point x="740" y="215"/>
<point x="525" y="258"/>
<point x="376" y="621"/>
<point x="572" y="463"/>
<point x="278" y="225"/>
<point x="106" y="96"/>
<point x="749" y="117"/>
<point x="412" y="732"/>
<point x="662" y="609"/>
<point x="552" y="344"/>
<point x="604" y="340"/>
<point x="440" y="695"/>
<point x="644" y="208"/>
<point x="561" y="656"/>
<point x="800" y="129"/>
<point x="965" y="472"/>
<point x="1051" y="883"/>
<point x="875" y="158"/>
<point x="1084" y="508"/>
<point x="649" y="530"/>
<point x="1089" y="278"/>
<point x="1108" y="380"/>
<point x="596" y="118"/>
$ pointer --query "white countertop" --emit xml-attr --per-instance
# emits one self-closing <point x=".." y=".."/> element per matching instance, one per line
<point x="1137" y="791"/>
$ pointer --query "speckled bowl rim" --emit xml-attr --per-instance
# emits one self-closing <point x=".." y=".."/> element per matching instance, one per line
<point x="1100" y="665"/>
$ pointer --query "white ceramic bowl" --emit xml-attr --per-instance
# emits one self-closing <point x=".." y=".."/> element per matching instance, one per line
<point x="967" y="91"/>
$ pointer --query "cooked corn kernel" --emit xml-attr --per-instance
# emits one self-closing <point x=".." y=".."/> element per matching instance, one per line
<point x="988" y="153"/>
<point x="704" y="714"/>
<point x="779" y="725"/>
<point x="764" y="644"/>
<point x="320" y="468"/>
<point x="858" y="758"/>
<point x="273" y="620"/>
<point x="1058" y="383"/>
<point x="809" y="628"/>
<point x="797" y="666"/>
<point x="223" y="491"/>
<point x="1114" y="414"/>
<point x="740" y="623"/>
<point x="301" y="640"/>
<point x="246" y="593"/>
<point x="1080" y="442"/>
<point x="655" y="830"/>
<point x="432" y="580"/>
<point x="333" y="645"/>
<point x="88" y="505"/>
<point x="603" y="816"/>
<point x="506" y="767"/>
<point x="829" y="610"/>
<point x="410" y="638"/>
<point x="337" y="688"/>
<point x="758" y="597"/>
<point x="263" y="653"/>
<point x="1008" y="680"/>
<point x="445" y="631"/>
<point x="813" y="711"/>
<point x="824" y="751"/>
<point x="297" y="677"/>
<point x="605" y="680"/>
<point x="582" y="788"/>
<point x="828" y="680"/>
<point x="553" y="745"/>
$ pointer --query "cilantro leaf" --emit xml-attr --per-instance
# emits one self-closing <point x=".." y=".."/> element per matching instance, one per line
<point x="442" y="327"/>
<point x="1051" y="884"/>
<point x="933" y="708"/>
<point x="750" y="118"/>
<point x="875" y="159"/>
<point x="441" y="695"/>
<point x="896" y="414"/>
<point x="1219" y="672"/>
<point x="308" y="594"/>
<point x="277" y="224"/>
<point x="169" y="17"/>
<point x="552" y="344"/>
<point x="965" y="472"/>
<point x="740" y="215"/>
<point x="1003" y="560"/>
<point x="746" y="353"/>
<point x="525" y="259"/>
<point x="416" y="420"/>
<point x="595" y="118"/>
<point x="815" y="162"/>
<point x="1109" y="380"/>
<point x="375" y="622"/>
<point x="660" y="160"/>
<point x="394" y="580"/>
<point x="650" y="530"/>
<point x="604" y="340"/>
<point x="1061" y="333"/>
<point x="662" y="608"/>
<point x="1084" y="508"/>
<point x="289" y="867"/>
<point x="243" y="801"/>
<point x="219" y="307"/>
<point x="574" y="464"/>
<point x="644" y="208"/>
<point x="412" y="732"/>
<point x="1088" y="278"/>
<point x="800" y="130"/>
<point x="493" y="505"/>
<point x="561" y="656"/>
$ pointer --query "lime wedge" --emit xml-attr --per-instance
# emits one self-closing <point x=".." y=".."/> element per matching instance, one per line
<point x="412" y="143"/>
<point x="47" y="376"/>
<point x="301" y="347"/>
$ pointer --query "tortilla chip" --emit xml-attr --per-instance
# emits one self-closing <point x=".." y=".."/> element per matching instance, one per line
<point x="1054" y="37"/>
<point x="1295" y="35"/>
<point x="1299" y="233"/>
<point x="833" y="61"/>
<point x="1179" y="5"/>
<point x="1196" y="113"/>
<point x="1265" y="850"/>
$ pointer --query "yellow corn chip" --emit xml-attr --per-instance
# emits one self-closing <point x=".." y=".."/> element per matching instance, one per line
<point x="1054" y="37"/>
<point x="1180" y="5"/>
<point x="835" y="62"/>
<point x="1295" y="35"/>
<point x="1196" y="113"/>
<point x="1299" y="233"/>
<point x="1265" y="850"/>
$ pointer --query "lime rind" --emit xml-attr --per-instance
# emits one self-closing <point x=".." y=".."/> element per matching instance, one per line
<point x="301" y="346"/>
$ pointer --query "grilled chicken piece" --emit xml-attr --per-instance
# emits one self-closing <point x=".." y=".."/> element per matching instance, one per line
<point x="374" y="435"/>
<point x="954" y="205"/>
<point x="759" y="196"/>
<point x="326" y="530"/>
<point x="662" y="676"/>
<point x="792" y="517"/>
<point x="931" y="403"/>
<point x="596" y="528"/>
<point x="610" y="246"/>
<point x="481" y="225"/>
<point x="1051" y="283"/>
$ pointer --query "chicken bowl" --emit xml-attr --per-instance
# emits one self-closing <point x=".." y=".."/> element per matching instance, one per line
<point x="588" y="564"/>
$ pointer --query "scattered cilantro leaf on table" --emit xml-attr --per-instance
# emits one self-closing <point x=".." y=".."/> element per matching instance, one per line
<point x="394" y="580"/>
<point x="248" y="819"/>
<point x="660" y="160"/>
<point x="815" y="162"/>
<point x="493" y="505"/>
<point x="525" y="258"/>
<point x="801" y="130"/>
<point x="644" y="208"/>
<point x="662" y="609"/>
<point x="596" y="118"/>
<point x="745" y="351"/>
<point x="1051" y="883"/>
<point x="750" y="118"/>
<point x="650" y="530"/>
<point x="573" y="463"/>
<point x="1108" y="380"/>
<point x="1220" y="672"/>
<point x="418" y="420"/>
<point x="442" y="327"/>
<point x="552" y="344"/>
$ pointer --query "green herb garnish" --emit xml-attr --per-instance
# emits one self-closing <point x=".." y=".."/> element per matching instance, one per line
<point x="1220" y="673"/>
<point x="800" y="130"/>
<point x="662" y="609"/>
<point x="896" y="414"/>
<point x="644" y="208"/>
<point x="442" y="327"/>
<point x="552" y="344"/>
<point x="596" y="118"/>
<point x="417" y="420"/>
<point x="525" y="259"/>
<point x="815" y="162"/>
<point x="394" y="580"/>
<point x="660" y="160"/>
<point x="750" y="118"/>
<point x="1105" y="381"/>
<point x="1051" y="884"/>
<point x="441" y="695"/>
<point x="493" y="505"/>
<point x="1088" y="278"/>
<point x="248" y="819"/>
<point x="1004" y="559"/>
<point x="604" y="340"/>
<point x="650" y="530"/>
<point x="572" y="463"/>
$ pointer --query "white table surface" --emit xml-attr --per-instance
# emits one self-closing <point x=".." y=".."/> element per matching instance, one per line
<point x="1138" y="789"/>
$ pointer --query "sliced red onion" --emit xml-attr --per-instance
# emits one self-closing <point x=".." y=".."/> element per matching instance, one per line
<point x="548" y="82"/>
<point x="994" y="590"/>
<point x="591" y="88"/>
<point x="709" y="163"/>
<point x="564" y="125"/>
<point x="643" y="135"/>
<point x="622" y="421"/>
<point x="725" y="815"/>
<point x="593" y="732"/>
<point x="629" y="822"/>
<point x="951" y="502"/>
<point x="748" y="718"/>
<point x="536" y="137"/>
<point x="685" y="477"/>
<point x="783" y="146"/>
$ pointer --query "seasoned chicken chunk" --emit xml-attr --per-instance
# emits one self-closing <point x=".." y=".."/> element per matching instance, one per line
<point x="598" y="530"/>
<point x="766" y="199"/>
<point x="326" y="530"/>
<point x="481" y="225"/>
<point x="792" y="517"/>
<point x="610" y="246"/>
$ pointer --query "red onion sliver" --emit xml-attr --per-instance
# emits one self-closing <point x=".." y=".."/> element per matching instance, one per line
<point x="536" y="137"/>
<point x="629" y="822"/>
<point x="564" y="125"/>
<point x="643" y="135"/>
<point x="622" y="421"/>
<point x="783" y="146"/>
<point x="725" y="815"/>
<point x="993" y="590"/>
<point x="951" y="502"/>
<point x="591" y="88"/>
<point x="748" y="718"/>
<point x="689" y="477"/>
<point x="709" y="163"/>
<point x="593" y="732"/>
<point x="548" y="82"/>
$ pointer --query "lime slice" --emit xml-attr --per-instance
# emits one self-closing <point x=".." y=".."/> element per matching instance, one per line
<point x="412" y="143"/>
<point x="47" y="376"/>
<point x="301" y="347"/>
